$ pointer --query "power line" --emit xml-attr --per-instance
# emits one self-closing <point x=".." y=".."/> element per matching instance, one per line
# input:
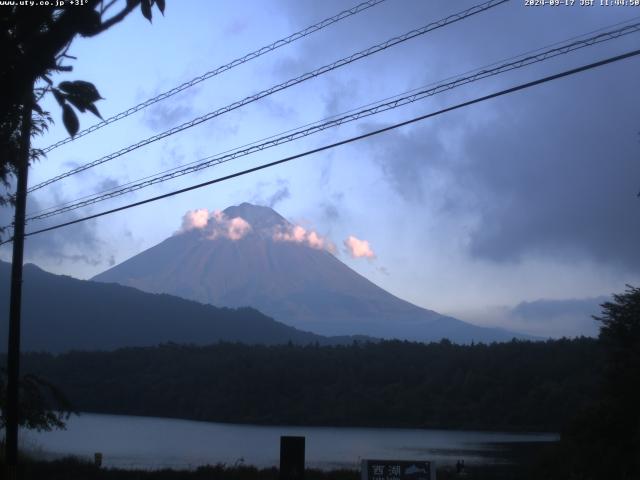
<point x="282" y="86"/>
<point x="519" y="56"/>
<point x="306" y="130"/>
<point x="344" y="142"/>
<point x="221" y="69"/>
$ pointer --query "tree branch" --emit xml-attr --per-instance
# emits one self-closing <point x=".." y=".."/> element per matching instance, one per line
<point x="104" y="8"/>
<point x="117" y="18"/>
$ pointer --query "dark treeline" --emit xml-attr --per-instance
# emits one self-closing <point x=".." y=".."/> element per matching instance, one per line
<point x="512" y="386"/>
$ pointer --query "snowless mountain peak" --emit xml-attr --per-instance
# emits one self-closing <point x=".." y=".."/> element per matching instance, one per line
<point x="259" y="217"/>
<point x="249" y="255"/>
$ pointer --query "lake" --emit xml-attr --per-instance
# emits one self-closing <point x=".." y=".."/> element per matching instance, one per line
<point x="152" y="443"/>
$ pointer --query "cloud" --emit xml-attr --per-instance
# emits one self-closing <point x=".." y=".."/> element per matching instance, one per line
<point x="545" y="310"/>
<point x="546" y="317"/>
<point x="195" y="219"/>
<point x="281" y="192"/>
<point x="357" y="248"/>
<point x="237" y="228"/>
<point x="278" y="196"/>
<point x="78" y="243"/>
<point x="236" y="26"/>
<point x="557" y="182"/>
<point x="163" y="115"/>
<point x="214" y="224"/>
<point x="330" y="212"/>
<point x="299" y="234"/>
<point x="552" y="171"/>
<point x="332" y="207"/>
<point x="107" y="183"/>
<point x="568" y="188"/>
<point x="338" y="96"/>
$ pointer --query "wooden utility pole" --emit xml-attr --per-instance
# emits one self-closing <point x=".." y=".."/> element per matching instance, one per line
<point x="13" y="355"/>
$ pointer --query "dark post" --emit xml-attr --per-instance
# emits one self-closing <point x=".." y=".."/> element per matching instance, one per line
<point x="13" y="355"/>
<point x="291" y="458"/>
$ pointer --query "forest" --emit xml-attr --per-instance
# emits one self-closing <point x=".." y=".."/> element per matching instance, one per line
<point x="518" y="385"/>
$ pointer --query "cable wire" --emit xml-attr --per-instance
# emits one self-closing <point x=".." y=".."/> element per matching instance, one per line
<point x="282" y="86"/>
<point x="523" y="86"/>
<point x="484" y="67"/>
<point x="221" y="69"/>
<point x="339" y="120"/>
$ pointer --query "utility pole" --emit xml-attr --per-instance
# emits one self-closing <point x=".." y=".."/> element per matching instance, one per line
<point x="13" y="355"/>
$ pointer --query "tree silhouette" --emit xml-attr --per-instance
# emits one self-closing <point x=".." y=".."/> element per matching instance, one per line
<point x="43" y="406"/>
<point x="604" y="440"/>
<point x="35" y="43"/>
<point x="620" y="336"/>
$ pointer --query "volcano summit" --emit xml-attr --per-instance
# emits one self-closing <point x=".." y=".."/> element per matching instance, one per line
<point x="249" y="255"/>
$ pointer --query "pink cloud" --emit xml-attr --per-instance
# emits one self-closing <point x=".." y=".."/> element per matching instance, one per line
<point x="358" y="248"/>
<point x="216" y="224"/>
<point x="310" y="238"/>
<point x="237" y="228"/>
<point x="195" y="219"/>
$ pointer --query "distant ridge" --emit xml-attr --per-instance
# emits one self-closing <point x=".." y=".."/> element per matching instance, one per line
<point x="249" y="255"/>
<point x="61" y="313"/>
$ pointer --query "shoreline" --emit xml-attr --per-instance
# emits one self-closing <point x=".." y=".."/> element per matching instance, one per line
<point x="475" y="429"/>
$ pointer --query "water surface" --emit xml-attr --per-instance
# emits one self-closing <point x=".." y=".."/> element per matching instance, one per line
<point x="151" y="443"/>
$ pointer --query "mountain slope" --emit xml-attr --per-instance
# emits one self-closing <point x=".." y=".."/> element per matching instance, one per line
<point x="61" y="313"/>
<point x="249" y="255"/>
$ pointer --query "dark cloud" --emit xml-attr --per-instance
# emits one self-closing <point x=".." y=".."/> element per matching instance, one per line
<point x="107" y="183"/>
<point x="169" y="113"/>
<point x="332" y="207"/>
<point x="546" y="310"/>
<point x="264" y="193"/>
<point x="278" y="196"/>
<point x="575" y="316"/>
<point x="330" y="212"/>
<point x="338" y="96"/>
<point x="77" y="243"/>
<point x="165" y="115"/>
<point x="558" y="172"/>
<point x="551" y="171"/>
<point x="410" y="160"/>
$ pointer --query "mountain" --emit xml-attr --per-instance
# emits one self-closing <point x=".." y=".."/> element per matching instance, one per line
<point x="249" y="255"/>
<point x="61" y="313"/>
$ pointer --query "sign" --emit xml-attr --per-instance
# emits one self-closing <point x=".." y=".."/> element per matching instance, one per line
<point x="398" y="470"/>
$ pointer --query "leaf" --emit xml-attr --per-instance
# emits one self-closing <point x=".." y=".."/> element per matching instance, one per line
<point x="77" y="102"/>
<point x="59" y="96"/>
<point x="70" y="120"/>
<point x="161" y="6"/>
<point x="93" y="109"/>
<point x="38" y="108"/>
<point x="85" y="90"/>
<point x="145" y="6"/>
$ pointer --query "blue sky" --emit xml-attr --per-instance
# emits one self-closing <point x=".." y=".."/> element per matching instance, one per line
<point x="530" y="197"/>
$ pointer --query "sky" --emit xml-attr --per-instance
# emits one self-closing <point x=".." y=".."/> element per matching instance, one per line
<point x="520" y="212"/>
